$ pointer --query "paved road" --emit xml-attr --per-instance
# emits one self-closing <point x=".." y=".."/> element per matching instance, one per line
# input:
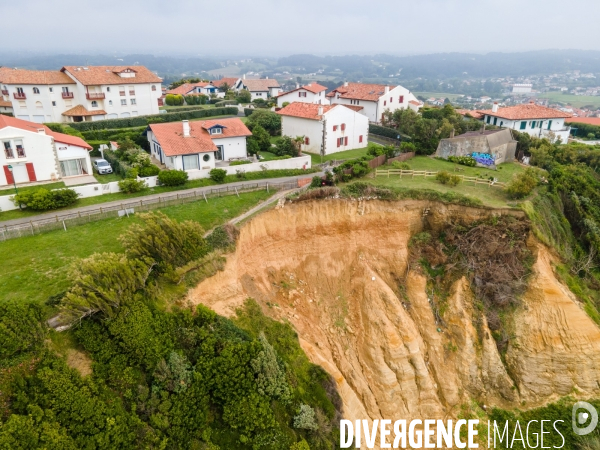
<point x="84" y="209"/>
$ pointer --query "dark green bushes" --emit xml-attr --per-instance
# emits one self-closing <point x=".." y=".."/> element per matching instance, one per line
<point x="463" y="160"/>
<point x="523" y="184"/>
<point x="172" y="177"/>
<point x="447" y="178"/>
<point x="21" y="328"/>
<point x="174" y="100"/>
<point x="131" y="185"/>
<point x="218" y="175"/>
<point x="44" y="200"/>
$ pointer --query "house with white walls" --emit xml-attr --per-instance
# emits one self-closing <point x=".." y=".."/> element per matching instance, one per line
<point x="202" y="87"/>
<point x="5" y="107"/>
<point x="375" y="99"/>
<point x="199" y="144"/>
<point x="32" y="152"/>
<point x="332" y="128"/>
<point x="535" y="120"/>
<point x="310" y="93"/>
<point x="263" y="88"/>
<point x="80" y="93"/>
<point x="229" y="81"/>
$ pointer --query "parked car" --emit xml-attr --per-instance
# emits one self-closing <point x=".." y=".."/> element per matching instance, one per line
<point x="102" y="166"/>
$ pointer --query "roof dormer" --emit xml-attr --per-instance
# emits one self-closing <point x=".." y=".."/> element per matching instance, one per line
<point x="126" y="73"/>
<point x="216" y="129"/>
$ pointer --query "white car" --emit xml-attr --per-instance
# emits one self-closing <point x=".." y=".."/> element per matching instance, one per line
<point x="102" y="166"/>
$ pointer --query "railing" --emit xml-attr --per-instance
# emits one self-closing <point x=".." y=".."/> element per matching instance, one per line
<point x="4" y="91"/>
<point x="122" y="93"/>
<point x="67" y="95"/>
<point x="20" y="95"/>
<point x="132" y="93"/>
<point x="425" y="173"/>
<point x="95" y="96"/>
<point x="9" y="153"/>
<point x="64" y="221"/>
<point x="20" y="152"/>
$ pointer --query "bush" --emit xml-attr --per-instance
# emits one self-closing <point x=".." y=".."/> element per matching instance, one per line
<point x="44" y="200"/>
<point x="306" y="419"/>
<point x="522" y="184"/>
<point x="387" y="132"/>
<point x="172" y="177"/>
<point x="21" y="328"/>
<point x="285" y="146"/>
<point x="269" y="120"/>
<point x="218" y="175"/>
<point x="252" y="146"/>
<point x="149" y="171"/>
<point x="223" y="237"/>
<point x="316" y="182"/>
<point x="447" y="178"/>
<point x="244" y="96"/>
<point x="408" y="147"/>
<point x="195" y="99"/>
<point x="262" y="138"/>
<point x="248" y="111"/>
<point x="400" y="165"/>
<point x="131" y="185"/>
<point x="463" y="160"/>
<point x="226" y="103"/>
<point x="174" y="100"/>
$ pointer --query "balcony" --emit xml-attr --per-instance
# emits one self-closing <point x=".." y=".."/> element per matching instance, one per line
<point x="122" y="93"/>
<point x="20" y="95"/>
<point x="95" y="96"/>
<point x="20" y="152"/>
<point x="132" y="93"/>
<point x="67" y="95"/>
<point x="8" y="152"/>
<point x="4" y="91"/>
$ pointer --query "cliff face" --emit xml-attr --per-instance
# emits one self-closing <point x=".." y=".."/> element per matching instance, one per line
<point x="339" y="272"/>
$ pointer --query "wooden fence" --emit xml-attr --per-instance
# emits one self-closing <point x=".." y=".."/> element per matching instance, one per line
<point x="67" y="220"/>
<point x="425" y="173"/>
<point x="403" y="157"/>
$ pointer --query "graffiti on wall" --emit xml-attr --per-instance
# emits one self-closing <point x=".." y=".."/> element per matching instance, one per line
<point x="483" y="158"/>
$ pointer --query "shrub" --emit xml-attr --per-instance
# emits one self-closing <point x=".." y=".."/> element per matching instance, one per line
<point x="149" y="171"/>
<point x="285" y="146"/>
<point x="132" y="173"/>
<point x="21" y="328"/>
<point x="131" y="185"/>
<point x="174" y="100"/>
<point x="400" y="165"/>
<point x="226" y="103"/>
<point x="463" y="160"/>
<point x="218" y="175"/>
<point x="44" y="200"/>
<point x="270" y="372"/>
<point x="522" y="184"/>
<point x="244" y="96"/>
<point x="252" y="146"/>
<point x="262" y="138"/>
<point x="387" y="132"/>
<point x="306" y="419"/>
<point x="407" y="147"/>
<point x="316" y="182"/>
<point x="447" y="178"/>
<point x="284" y="104"/>
<point x="223" y="237"/>
<point x="172" y="177"/>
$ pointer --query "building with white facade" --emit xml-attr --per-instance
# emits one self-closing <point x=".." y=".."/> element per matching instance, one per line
<point x="310" y="93"/>
<point x="5" y="107"/>
<point x="32" y="152"/>
<point x="76" y="94"/>
<point x="198" y="145"/>
<point x="335" y="128"/>
<point x="522" y="88"/>
<point x="202" y="87"/>
<point x="263" y="88"/>
<point x="532" y="119"/>
<point x="374" y="98"/>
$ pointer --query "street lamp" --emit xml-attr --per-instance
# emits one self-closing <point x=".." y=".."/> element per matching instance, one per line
<point x="10" y="169"/>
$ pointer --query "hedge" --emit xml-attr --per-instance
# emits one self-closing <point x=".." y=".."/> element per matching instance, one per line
<point x="387" y="132"/>
<point x="248" y="111"/>
<point x="583" y="129"/>
<point x="226" y="103"/>
<point x="112" y="135"/>
<point x="187" y="108"/>
<point x="140" y="121"/>
<point x="118" y="166"/>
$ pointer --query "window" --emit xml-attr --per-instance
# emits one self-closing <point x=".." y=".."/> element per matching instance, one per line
<point x="549" y="124"/>
<point x="121" y="91"/>
<point x="53" y="103"/>
<point x="216" y="131"/>
<point x="36" y="90"/>
<point x="38" y="105"/>
<point x="20" y="91"/>
<point x="206" y="158"/>
<point x="65" y="90"/>
<point x="501" y="122"/>
<point x="50" y="89"/>
<point x="22" y="104"/>
<point x="391" y="98"/>
<point x="8" y="151"/>
<point x="20" y="149"/>
<point x="401" y="99"/>
<point x="533" y="124"/>
<point x="343" y="126"/>
<point x="94" y="104"/>
<point x="190" y="162"/>
<point x="335" y="128"/>
<point x="133" y="101"/>
<point x="384" y="102"/>
<point x="123" y="102"/>
<point x="154" y="88"/>
<point x="488" y="119"/>
<point x="131" y="90"/>
<point x="523" y="125"/>
<point x="110" y="103"/>
<point x="306" y="140"/>
<point x="108" y="89"/>
<point x="73" y="167"/>
<point x="495" y="120"/>
<point x="360" y="139"/>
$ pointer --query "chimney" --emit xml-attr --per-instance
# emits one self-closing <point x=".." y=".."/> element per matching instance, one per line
<point x="186" y="128"/>
<point x="244" y="77"/>
<point x="495" y="107"/>
<point x="310" y="84"/>
<point x="41" y="131"/>
<point x="266" y="78"/>
<point x="297" y="85"/>
<point x="452" y="133"/>
<point x="345" y="84"/>
<point x="387" y="89"/>
<point x="320" y="110"/>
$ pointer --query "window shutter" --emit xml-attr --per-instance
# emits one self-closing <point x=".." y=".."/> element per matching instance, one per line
<point x="343" y="126"/>
<point x="401" y="99"/>
<point x="360" y="139"/>
<point x="384" y="102"/>
<point x="306" y="140"/>
<point x="346" y="140"/>
<point x="391" y="99"/>
<point x="335" y="128"/>
<point x="9" y="175"/>
<point x="299" y="94"/>
<point x="338" y="144"/>
<point x="30" y="171"/>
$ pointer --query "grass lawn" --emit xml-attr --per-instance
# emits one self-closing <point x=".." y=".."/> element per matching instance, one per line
<point x="107" y="177"/>
<point x="39" y="264"/>
<point x="348" y="154"/>
<point x="268" y="156"/>
<point x="49" y="186"/>
<point x="574" y="100"/>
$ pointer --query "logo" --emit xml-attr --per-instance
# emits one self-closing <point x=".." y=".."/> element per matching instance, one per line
<point x="579" y="418"/>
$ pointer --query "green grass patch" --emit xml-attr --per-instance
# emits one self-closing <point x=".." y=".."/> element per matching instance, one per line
<point x="39" y="264"/>
<point x="107" y="178"/>
<point x="574" y="100"/>
<point x="504" y="173"/>
<point x="11" y="190"/>
<point x="348" y="154"/>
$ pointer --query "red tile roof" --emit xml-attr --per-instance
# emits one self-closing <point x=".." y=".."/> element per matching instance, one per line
<point x="311" y="110"/>
<point x="360" y="91"/>
<point x="5" y="104"/>
<point x="525" y="112"/>
<point x="6" y="121"/>
<point x="80" y="110"/>
<point x="171" y="139"/>
<point x="260" y="85"/>
<point x="315" y="88"/>
<point x="588" y="120"/>
<point x="476" y="114"/>
<point x="182" y="90"/>
<point x="229" y="81"/>
<point x="103" y="75"/>
<point x="41" y="77"/>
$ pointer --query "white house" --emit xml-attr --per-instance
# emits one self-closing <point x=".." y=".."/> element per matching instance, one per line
<point x="264" y="88"/>
<point x="76" y="94"/>
<point x="5" y="107"/>
<point x="336" y="128"/>
<point x="198" y="145"/>
<point x="202" y="87"/>
<point x="522" y="88"/>
<point x="35" y="153"/>
<point x="374" y="98"/>
<point x="311" y="93"/>
<point x="532" y="119"/>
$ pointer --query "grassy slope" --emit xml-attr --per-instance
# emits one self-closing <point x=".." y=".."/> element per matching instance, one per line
<point x="348" y="154"/>
<point x="39" y="264"/>
<point x="574" y="100"/>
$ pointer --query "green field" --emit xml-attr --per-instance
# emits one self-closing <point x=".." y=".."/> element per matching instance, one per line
<point x="39" y="264"/>
<point x="577" y="101"/>
<point x="348" y="154"/>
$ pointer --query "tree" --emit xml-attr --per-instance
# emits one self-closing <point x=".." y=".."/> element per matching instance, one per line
<point x="244" y="96"/>
<point x="306" y="418"/>
<point x="285" y="146"/>
<point x="262" y="138"/>
<point x="269" y="120"/>
<point x="522" y="184"/>
<point x="270" y="372"/>
<point x="224" y="87"/>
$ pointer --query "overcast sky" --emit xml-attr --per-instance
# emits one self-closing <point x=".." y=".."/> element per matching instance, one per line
<point x="284" y="27"/>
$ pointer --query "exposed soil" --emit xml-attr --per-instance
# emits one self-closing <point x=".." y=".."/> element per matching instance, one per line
<point x="339" y="271"/>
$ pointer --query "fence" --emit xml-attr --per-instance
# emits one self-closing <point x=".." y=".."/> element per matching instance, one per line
<point x="425" y="173"/>
<point x="67" y="220"/>
<point x="403" y="157"/>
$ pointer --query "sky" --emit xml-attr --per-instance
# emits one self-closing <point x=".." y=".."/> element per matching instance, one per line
<point x="284" y="27"/>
